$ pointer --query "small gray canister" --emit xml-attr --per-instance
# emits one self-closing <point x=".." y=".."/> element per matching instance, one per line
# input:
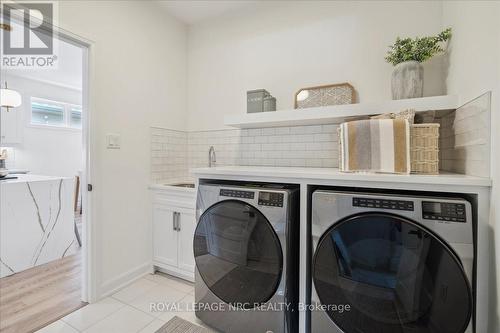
<point x="269" y="103"/>
<point x="255" y="100"/>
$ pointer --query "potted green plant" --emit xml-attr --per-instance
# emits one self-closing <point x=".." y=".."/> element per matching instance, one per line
<point x="407" y="55"/>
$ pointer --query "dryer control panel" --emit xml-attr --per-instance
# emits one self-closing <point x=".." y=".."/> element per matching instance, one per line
<point x="237" y="194"/>
<point x="382" y="203"/>
<point x="443" y="211"/>
<point x="271" y="199"/>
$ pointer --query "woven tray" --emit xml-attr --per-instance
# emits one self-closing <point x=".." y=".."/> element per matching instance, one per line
<point x="333" y="94"/>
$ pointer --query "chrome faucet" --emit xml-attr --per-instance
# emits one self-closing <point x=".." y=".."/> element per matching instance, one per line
<point x="211" y="157"/>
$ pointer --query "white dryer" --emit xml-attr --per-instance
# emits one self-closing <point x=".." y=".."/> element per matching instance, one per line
<point x="246" y="253"/>
<point x="391" y="263"/>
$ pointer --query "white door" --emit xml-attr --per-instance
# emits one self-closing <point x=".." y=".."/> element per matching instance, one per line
<point x="164" y="235"/>
<point x="187" y="225"/>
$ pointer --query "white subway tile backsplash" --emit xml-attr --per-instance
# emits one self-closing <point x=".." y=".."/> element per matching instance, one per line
<point x="268" y="146"/>
<point x="324" y="137"/>
<point x="298" y="163"/>
<point x="314" y="163"/>
<point x="268" y="131"/>
<point x="283" y="163"/>
<point x="276" y="138"/>
<point x="313" y="129"/>
<point x="330" y="163"/>
<point x="297" y="130"/>
<point x="255" y="132"/>
<point x="261" y="139"/>
<point x="282" y="130"/>
<point x="173" y="153"/>
<point x="314" y="146"/>
<point x="169" y="152"/>
<point x="330" y="128"/>
<point x="465" y="138"/>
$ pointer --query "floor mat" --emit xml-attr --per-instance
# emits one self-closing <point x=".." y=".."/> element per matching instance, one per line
<point x="179" y="325"/>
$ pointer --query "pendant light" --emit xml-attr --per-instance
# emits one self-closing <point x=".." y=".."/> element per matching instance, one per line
<point x="9" y="98"/>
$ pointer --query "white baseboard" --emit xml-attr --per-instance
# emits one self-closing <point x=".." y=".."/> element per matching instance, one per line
<point x="174" y="271"/>
<point x="111" y="286"/>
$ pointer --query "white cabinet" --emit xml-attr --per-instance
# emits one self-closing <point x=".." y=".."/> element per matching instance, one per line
<point x="10" y="126"/>
<point x="174" y="223"/>
<point x="165" y="235"/>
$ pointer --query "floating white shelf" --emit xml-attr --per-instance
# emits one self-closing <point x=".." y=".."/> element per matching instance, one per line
<point x="338" y="113"/>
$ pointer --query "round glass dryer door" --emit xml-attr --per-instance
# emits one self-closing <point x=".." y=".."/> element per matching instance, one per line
<point x="238" y="253"/>
<point x="395" y="276"/>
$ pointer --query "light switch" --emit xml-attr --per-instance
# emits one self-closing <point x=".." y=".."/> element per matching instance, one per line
<point x="113" y="141"/>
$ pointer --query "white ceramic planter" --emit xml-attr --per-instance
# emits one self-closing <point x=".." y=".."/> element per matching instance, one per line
<point x="408" y="80"/>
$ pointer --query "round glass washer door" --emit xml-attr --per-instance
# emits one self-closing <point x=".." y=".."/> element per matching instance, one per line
<point x="238" y="254"/>
<point x="395" y="275"/>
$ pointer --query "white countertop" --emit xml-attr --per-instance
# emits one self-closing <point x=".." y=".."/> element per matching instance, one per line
<point x="170" y="186"/>
<point x="21" y="178"/>
<point x="12" y="171"/>
<point x="329" y="174"/>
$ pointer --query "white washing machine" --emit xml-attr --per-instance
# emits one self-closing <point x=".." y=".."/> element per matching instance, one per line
<point x="246" y="253"/>
<point x="391" y="263"/>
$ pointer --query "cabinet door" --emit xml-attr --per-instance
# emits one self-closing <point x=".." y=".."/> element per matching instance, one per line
<point x="187" y="225"/>
<point x="9" y="122"/>
<point x="164" y="235"/>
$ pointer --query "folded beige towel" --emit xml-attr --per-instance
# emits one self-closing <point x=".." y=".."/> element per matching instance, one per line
<point x="376" y="145"/>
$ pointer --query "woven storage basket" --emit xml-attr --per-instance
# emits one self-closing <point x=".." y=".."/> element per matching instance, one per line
<point x="424" y="148"/>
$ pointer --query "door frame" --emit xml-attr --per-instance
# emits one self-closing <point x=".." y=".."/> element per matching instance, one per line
<point x="89" y="281"/>
<point x="90" y="272"/>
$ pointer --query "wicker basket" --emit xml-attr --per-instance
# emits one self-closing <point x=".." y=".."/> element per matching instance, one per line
<point x="424" y="148"/>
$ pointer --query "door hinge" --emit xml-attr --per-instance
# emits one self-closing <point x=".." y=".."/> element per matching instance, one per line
<point x="89" y="187"/>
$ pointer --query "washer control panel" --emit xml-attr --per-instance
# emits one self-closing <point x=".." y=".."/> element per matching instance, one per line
<point x="382" y="203"/>
<point x="272" y="199"/>
<point x="237" y="194"/>
<point x="443" y="211"/>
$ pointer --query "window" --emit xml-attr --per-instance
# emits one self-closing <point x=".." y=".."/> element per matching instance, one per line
<point x="75" y="116"/>
<point x="55" y="114"/>
<point x="47" y="114"/>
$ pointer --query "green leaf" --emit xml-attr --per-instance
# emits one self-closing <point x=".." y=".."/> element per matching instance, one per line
<point x="417" y="49"/>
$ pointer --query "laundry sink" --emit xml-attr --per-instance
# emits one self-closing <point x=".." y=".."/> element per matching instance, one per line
<point x="186" y="185"/>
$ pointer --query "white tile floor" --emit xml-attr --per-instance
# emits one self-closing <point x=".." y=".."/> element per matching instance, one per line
<point x="128" y="310"/>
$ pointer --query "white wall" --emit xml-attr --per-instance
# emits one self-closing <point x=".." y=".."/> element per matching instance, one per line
<point x="283" y="47"/>
<point x="474" y="49"/>
<point x="474" y="68"/>
<point x="45" y="151"/>
<point x="138" y="68"/>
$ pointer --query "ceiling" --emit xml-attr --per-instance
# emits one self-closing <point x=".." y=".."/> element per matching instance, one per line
<point x="195" y="11"/>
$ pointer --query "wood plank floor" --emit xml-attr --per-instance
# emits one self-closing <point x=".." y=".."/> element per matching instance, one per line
<point x="36" y="297"/>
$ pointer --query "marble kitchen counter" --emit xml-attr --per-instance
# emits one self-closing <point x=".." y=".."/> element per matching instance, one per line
<point x="21" y="178"/>
<point x="36" y="221"/>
